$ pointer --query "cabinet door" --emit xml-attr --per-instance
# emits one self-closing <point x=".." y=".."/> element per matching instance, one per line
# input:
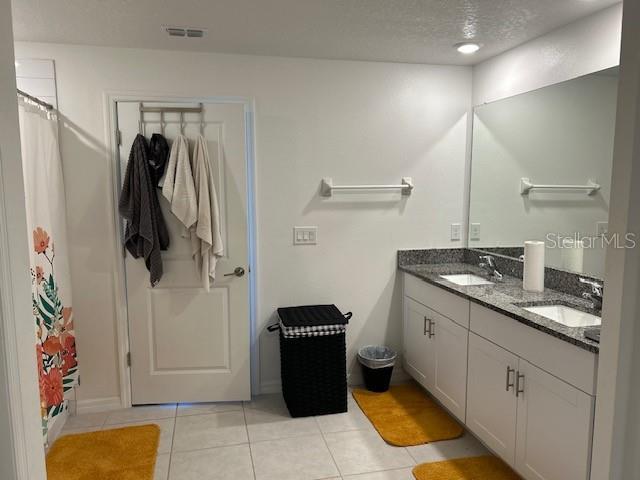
<point x="450" y="368"/>
<point x="415" y="342"/>
<point x="491" y="401"/>
<point x="554" y="427"/>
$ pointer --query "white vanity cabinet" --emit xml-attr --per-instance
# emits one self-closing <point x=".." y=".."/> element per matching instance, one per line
<point x="536" y="422"/>
<point x="527" y="395"/>
<point x="554" y="428"/>
<point x="449" y="364"/>
<point x="435" y="353"/>
<point x="416" y="347"/>
<point x="491" y="405"/>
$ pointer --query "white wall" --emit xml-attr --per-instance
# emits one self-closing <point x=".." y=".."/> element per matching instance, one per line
<point x="617" y="422"/>
<point x="21" y="449"/>
<point x="585" y="46"/>
<point x="357" y="122"/>
<point x="561" y="134"/>
<point x="8" y="148"/>
<point x="37" y="77"/>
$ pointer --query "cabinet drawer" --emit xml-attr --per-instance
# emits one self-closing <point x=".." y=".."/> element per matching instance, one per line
<point x="448" y="304"/>
<point x="568" y="362"/>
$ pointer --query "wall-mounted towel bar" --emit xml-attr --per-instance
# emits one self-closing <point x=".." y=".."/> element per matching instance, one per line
<point x="526" y="186"/>
<point x="327" y="187"/>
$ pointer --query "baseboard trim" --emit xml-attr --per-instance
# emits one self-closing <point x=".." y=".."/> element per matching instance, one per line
<point x="95" y="405"/>
<point x="274" y="386"/>
<point x="353" y="379"/>
<point x="56" y="427"/>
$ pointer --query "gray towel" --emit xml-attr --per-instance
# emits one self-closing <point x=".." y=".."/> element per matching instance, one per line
<point x="146" y="232"/>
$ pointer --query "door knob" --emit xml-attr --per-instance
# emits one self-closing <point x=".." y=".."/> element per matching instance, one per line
<point x="238" y="272"/>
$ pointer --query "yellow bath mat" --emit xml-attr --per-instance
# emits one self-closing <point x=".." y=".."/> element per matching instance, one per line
<point x="405" y="416"/>
<point x="474" y="468"/>
<point x="121" y="454"/>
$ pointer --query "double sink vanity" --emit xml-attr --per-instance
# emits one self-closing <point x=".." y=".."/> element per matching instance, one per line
<point x="518" y="368"/>
<point x="514" y="366"/>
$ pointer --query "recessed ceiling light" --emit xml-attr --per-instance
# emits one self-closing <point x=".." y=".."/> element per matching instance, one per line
<point x="467" y="47"/>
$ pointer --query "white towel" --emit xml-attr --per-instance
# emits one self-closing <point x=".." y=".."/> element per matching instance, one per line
<point x="206" y="241"/>
<point x="178" y="185"/>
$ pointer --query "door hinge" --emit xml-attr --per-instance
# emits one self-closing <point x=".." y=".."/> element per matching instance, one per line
<point x="118" y="137"/>
<point x="128" y="359"/>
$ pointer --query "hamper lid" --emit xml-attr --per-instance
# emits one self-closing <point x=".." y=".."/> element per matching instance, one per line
<point x="312" y="315"/>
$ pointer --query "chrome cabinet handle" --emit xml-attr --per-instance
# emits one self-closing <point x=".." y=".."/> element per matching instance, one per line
<point x="519" y="387"/>
<point x="509" y="383"/>
<point x="238" y="272"/>
<point x="432" y="332"/>
<point x="425" y="330"/>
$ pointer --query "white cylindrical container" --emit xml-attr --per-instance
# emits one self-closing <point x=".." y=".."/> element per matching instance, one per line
<point x="533" y="275"/>
<point x="572" y="255"/>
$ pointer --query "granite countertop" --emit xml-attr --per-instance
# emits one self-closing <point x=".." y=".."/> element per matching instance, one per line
<point x="508" y="297"/>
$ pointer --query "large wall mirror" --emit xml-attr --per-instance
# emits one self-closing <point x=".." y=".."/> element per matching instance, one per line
<point x="541" y="170"/>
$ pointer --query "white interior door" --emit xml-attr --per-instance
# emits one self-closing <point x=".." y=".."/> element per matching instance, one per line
<point x="188" y="344"/>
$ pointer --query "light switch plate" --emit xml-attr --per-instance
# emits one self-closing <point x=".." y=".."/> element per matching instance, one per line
<point x="474" y="231"/>
<point x="456" y="231"/>
<point x="305" y="235"/>
<point x="602" y="228"/>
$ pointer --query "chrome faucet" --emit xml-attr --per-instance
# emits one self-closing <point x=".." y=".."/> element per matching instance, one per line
<point x="596" y="293"/>
<point x="488" y="264"/>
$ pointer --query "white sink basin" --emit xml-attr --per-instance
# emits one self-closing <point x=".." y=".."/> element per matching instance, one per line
<point x="466" y="279"/>
<point x="566" y="315"/>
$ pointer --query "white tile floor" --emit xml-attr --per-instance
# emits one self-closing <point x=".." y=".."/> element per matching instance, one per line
<point x="258" y="440"/>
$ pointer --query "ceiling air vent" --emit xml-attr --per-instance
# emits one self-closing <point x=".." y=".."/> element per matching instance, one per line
<point x="185" y="32"/>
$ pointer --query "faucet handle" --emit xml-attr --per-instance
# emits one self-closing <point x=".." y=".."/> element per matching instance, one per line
<point x="596" y="286"/>
<point x="487" y="260"/>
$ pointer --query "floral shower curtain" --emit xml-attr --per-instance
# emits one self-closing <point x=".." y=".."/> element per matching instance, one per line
<point x="50" y="278"/>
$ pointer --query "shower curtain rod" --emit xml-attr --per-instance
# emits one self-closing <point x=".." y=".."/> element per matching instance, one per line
<point x="46" y="105"/>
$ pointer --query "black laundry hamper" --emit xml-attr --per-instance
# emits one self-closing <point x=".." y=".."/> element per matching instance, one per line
<point x="313" y="359"/>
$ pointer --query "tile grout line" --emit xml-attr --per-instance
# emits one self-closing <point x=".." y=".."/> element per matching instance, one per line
<point x="173" y="436"/>
<point x="213" y="447"/>
<point x="246" y="427"/>
<point x="378" y="433"/>
<point x="411" y="455"/>
<point x="327" y="445"/>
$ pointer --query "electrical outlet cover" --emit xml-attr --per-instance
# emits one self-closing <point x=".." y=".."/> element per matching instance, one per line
<point x="602" y="228"/>
<point x="456" y="231"/>
<point x="474" y="231"/>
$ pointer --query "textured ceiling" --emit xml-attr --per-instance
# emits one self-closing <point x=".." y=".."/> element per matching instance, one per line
<point x="417" y="31"/>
